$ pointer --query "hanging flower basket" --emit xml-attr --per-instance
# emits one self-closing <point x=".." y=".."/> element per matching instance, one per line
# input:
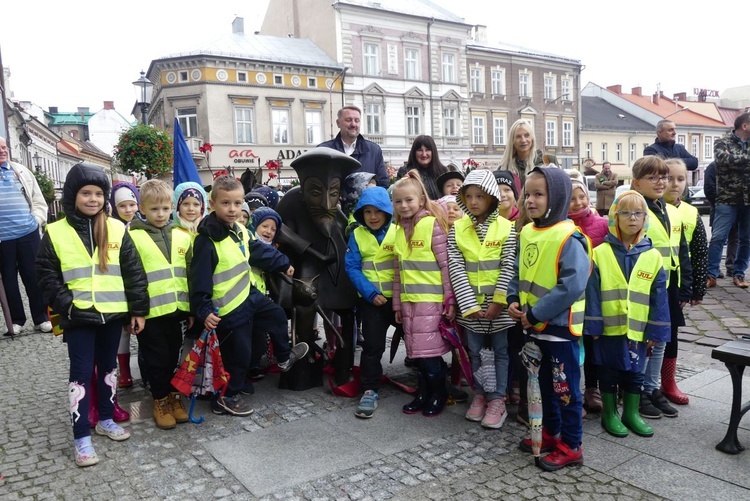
<point x="144" y="150"/>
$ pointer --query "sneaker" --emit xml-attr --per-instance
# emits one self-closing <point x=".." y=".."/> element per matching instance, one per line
<point x="255" y="374"/>
<point x="495" y="415"/>
<point x="661" y="403"/>
<point x="740" y="282"/>
<point x="561" y="457"/>
<point x="236" y="405"/>
<point x="367" y="405"/>
<point x="44" y="327"/>
<point x="112" y="430"/>
<point x="298" y="352"/>
<point x="248" y="389"/>
<point x="710" y="282"/>
<point x="476" y="409"/>
<point x="549" y="443"/>
<point x="88" y="458"/>
<point x="177" y="408"/>
<point x="646" y="408"/>
<point x="16" y="331"/>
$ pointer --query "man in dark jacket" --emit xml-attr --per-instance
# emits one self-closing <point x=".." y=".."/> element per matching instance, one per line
<point x="709" y="187"/>
<point x="666" y="147"/>
<point x="351" y="142"/>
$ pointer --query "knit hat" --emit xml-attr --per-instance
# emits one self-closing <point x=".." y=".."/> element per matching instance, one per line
<point x="272" y="196"/>
<point x="246" y="208"/>
<point x="576" y="183"/>
<point x="263" y="213"/>
<point x="443" y="178"/>
<point x="447" y="199"/>
<point x="255" y="200"/>
<point x="506" y="177"/>
<point x="124" y="195"/>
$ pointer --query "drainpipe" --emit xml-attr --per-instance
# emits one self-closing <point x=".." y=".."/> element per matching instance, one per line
<point x="429" y="71"/>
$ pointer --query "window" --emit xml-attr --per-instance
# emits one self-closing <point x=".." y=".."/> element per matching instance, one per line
<point x="681" y="139"/>
<point x="477" y="80"/>
<point x="188" y="120"/>
<point x="412" y="120"/>
<point x="372" y="118"/>
<point x="604" y="152"/>
<point x="632" y="152"/>
<point x="449" y="122"/>
<point x="477" y="130"/>
<point x="567" y="134"/>
<point x="498" y="131"/>
<point x="411" y="64"/>
<point x="370" y="60"/>
<point x="280" y="124"/>
<point x="696" y="142"/>
<point x="449" y="67"/>
<point x="549" y="87"/>
<point x="566" y="88"/>
<point x="183" y="76"/>
<point x="242" y="76"/>
<point x="498" y="82"/>
<point x="524" y="84"/>
<point x="278" y="79"/>
<point x="312" y="82"/>
<point x="550" y="129"/>
<point x="313" y="127"/>
<point x="589" y="150"/>
<point x="708" y="147"/>
<point x="243" y="124"/>
<point x="618" y="152"/>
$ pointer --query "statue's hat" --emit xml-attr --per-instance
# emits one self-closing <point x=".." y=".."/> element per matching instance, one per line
<point x="325" y="164"/>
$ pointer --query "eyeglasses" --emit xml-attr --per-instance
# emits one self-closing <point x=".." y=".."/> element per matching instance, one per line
<point x="638" y="214"/>
<point x="656" y="179"/>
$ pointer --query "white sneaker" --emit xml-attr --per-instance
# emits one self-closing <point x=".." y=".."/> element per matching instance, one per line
<point x="44" y="327"/>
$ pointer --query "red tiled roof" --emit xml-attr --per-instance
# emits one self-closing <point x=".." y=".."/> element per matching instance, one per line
<point x="667" y="108"/>
<point x="728" y="115"/>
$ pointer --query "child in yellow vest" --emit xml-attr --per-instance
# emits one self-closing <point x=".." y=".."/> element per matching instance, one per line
<point x="481" y="252"/>
<point x="547" y="295"/>
<point x="695" y="234"/>
<point x="421" y="289"/>
<point x="626" y="312"/>
<point x="89" y="273"/>
<point x="162" y="248"/>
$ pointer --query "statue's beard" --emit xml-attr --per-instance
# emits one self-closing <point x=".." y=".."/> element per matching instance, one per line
<point x="324" y="219"/>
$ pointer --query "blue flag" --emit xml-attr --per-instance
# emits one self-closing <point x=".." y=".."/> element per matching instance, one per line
<point x="184" y="165"/>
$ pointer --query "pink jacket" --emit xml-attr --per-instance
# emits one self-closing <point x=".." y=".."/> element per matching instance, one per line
<point x="421" y="320"/>
<point x="591" y="223"/>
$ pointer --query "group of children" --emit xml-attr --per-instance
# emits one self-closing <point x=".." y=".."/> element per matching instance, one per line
<point x="157" y="264"/>
<point x="549" y="265"/>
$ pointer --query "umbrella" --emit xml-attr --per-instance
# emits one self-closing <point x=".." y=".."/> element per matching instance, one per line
<point x="202" y="371"/>
<point x="184" y="168"/>
<point x="449" y="331"/>
<point x="532" y="358"/>
<point x="395" y="341"/>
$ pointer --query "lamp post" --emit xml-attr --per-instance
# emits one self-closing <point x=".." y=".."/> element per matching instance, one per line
<point x="143" y="89"/>
<point x="342" y="75"/>
<point x="37" y="162"/>
<point x="686" y="108"/>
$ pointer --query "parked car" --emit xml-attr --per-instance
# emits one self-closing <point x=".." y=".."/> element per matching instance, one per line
<point x="622" y="189"/>
<point x="591" y="185"/>
<point x="700" y="202"/>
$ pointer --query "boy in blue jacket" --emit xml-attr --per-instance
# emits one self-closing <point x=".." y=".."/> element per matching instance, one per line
<point x="369" y="264"/>
<point x="626" y="311"/>
<point x="546" y="295"/>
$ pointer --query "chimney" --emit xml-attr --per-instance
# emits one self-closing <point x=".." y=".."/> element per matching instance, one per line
<point x="480" y="33"/>
<point x="680" y="96"/>
<point x="53" y="109"/>
<point x="637" y="91"/>
<point x="238" y="26"/>
<point x="83" y="109"/>
<point x="655" y="98"/>
<point x="109" y="105"/>
<point x="617" y="89"/>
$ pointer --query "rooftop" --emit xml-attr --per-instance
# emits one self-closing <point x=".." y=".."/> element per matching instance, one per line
<point x="420" y="8"/>
<point x="598" y="114"/>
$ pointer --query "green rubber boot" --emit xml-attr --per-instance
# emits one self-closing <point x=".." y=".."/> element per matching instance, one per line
<point x="631" y="418"/>
<point x="610" y="419"/>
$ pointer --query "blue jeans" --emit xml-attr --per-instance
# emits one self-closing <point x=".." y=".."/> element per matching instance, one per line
<point x="475" y="341"/>
<point x="652" y="370"/>
<point x="560" y="385"/>
<point x="724" y="217"/>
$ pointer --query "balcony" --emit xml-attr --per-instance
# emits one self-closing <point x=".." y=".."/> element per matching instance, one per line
<point x="194" y="144"/>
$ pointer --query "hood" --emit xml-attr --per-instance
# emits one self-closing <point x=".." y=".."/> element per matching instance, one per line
<point x="486" y="181"/>
<point x="353" y="186"/>
<point x="80" y="175"/>
<point x="612" y="223"/>
<point x="263" y="213"/>
<point x="214" y="229"/>
<point x="112" y="199"/>
<point x="559" y="191"/>
<point x="376" y="196"/>
<point x="178" y="192"/>
<point x="141" y="224"/>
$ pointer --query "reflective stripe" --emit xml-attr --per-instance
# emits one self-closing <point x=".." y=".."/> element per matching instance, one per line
<point x="388" y="286"/>
<point x="161" y="300"/>
<point x="533" y="288"/>
<point x="368" y="266"/>
<point x="639" y="298"/>
<point x="231" y="272"/>
<point x="83" y="295"/>
<point x="664" y="251"/>
<point x="180" y="272"/>
<point x="234" y="292"/>
<point x="422" y="289"/>
<point x="420" y="265"/>
<point x="74" y="273"/>
<point x="155" y="276"/>
<point x="487" y="289"/>
<point x="615" y="320"/>
<point x="577" y="317"/>
<point x="371" y="266"/>
<point x="615" y="295"/>
<point x="482" y="266"/>
<point x="110" y="297"/>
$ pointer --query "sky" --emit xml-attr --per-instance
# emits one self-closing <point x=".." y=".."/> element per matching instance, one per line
<point x="84" y="53"/>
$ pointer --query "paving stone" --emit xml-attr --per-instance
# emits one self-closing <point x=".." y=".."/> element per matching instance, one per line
<point x="688" y="338"/>
<point x="710" y="341"/>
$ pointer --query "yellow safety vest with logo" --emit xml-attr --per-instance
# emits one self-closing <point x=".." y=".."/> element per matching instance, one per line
<point x="421" y="279"/>
<point x="377" y="258"/>
<point x="538" y="269"/>
<point x="167" y="280"/>
<point x="689" y="216"/>
<point x="232" y="278"/>
<point x="668" y="244"/>
<point x="625" y="304"/>
<point x="482" y="259"/>
<point x="104" y="290"/>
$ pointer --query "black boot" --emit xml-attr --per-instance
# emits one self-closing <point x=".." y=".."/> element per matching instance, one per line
<point x="423" y="395"/>
<point x="439" y="394"/>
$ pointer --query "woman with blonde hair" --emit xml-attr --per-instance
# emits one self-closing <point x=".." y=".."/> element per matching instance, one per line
<point x="521" y="153"/>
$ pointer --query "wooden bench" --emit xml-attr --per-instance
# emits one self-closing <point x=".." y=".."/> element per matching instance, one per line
<point x="736" y="356"/>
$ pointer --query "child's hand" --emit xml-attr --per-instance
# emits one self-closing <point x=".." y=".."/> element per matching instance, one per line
<point x="398" y="317"/>
<point x="137" y="324"/>
<point x="449" y="312"/>
<point x="290" y="271"/>
<point x="493" y="311"/>
<point x="212" y="320"/>
<point x="682" y="304"/>
<point x="379" y="300"/>
<point x="477" y="315"/>
<point x="514" y="310"/>
<point x="525" y="322"/>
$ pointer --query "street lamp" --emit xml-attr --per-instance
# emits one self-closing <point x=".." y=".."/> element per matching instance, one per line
<point x="143" y="89"/>
<point x="678" y="111"/>
<point x="342" y="75"/>
<point x="37" y="162"/>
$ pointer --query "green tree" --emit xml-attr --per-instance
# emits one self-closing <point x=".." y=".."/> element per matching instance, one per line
<point x="146" y="150"/>
<point x="47" y="187"/>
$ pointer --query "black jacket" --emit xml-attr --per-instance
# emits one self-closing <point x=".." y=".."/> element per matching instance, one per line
<point x="671" y="149"/>
<point x="366" y="153"/>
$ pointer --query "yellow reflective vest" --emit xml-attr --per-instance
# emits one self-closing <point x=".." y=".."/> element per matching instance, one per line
<point x="167" y="280"/>
<point x="689" y="216"/>
<point x="538" y="269"/>
<point x="231" y="277"/>
<point x="377" y="258"/>
<point x="482" y="259"/>
<point x="256" y="275"/>
<point x="625" y="304"/>
<point x="90" y="286"/>
<point x="668" y="244"/>
<point x="421" y="279"/>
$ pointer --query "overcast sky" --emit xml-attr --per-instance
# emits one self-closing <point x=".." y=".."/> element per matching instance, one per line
<point x="83" y="53"/>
